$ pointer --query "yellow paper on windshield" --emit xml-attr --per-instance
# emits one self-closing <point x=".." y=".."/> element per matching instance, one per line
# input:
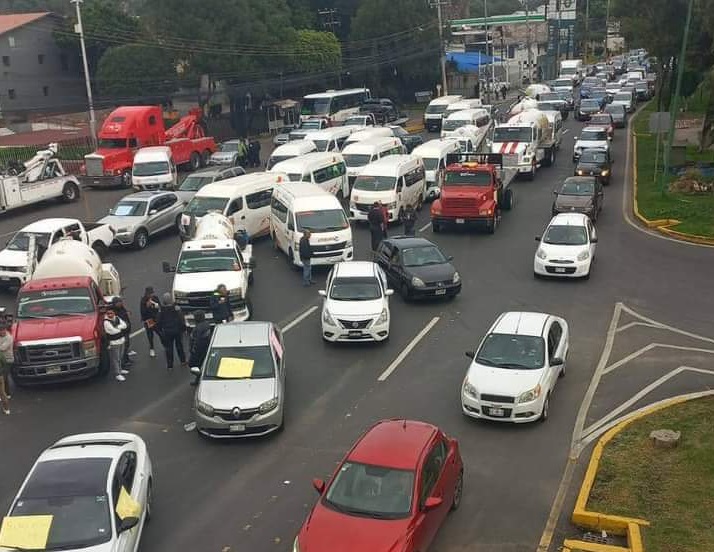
<point x="235" y="368"/>
<point x="126" y="505"/>
<point x="25" y="532"/>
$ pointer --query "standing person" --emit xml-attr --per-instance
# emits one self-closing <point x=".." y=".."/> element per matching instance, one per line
<point x="306" y="258"/>
<point x="114" y="328"/>
<point x="149" y="309"/>
<point x="375" y="219"/>
<point x="409" y="218"/>
<point x="199" y="342"/>
<point x="123" y="314"/>
<point x="171" y="325"/>
<point x="385" y="219"/>
<point x="257" y="153"/>
<point x="504" y="90"/>
<point x="251" y="153"/>
<point x="6" y="360"/>
<point x="220" y="305"/>
<point x="242" y="152"/>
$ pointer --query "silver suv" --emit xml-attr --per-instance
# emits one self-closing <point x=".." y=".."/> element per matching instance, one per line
<point x="241" y="391"/>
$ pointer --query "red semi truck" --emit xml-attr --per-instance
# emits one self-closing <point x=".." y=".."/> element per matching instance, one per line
<point x="129" y="128"/>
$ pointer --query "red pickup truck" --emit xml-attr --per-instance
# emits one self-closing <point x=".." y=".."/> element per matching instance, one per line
<point x="129" y="128"/>
<point x="474" y="192"/>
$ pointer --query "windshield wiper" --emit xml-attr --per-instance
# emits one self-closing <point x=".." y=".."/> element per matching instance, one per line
<point x="486" y="361"/>
<point x="514" y="365"/>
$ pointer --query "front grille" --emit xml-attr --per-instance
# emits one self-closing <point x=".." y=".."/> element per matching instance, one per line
<point x="510" y="160"/>
<point x="94" y="166"/>
<point x="202" y="300"/>
<point x="364" y="207"/>
<point x="49" y="354"/>
<point x="439" y="284"/>
<point x="244" y="415"/>
<point x="328" y="248"/>
<point x="12" y="268"/>
<point x="468" y="203"/>
<point x="354" y="324"/>
<point x="561" y="261"/>
<point x="498" y="398"/>
<point x="565" y="270"/>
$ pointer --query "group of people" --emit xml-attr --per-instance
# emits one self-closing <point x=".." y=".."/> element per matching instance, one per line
<point x="249" y="153"/>
<point x="378" y="219"/>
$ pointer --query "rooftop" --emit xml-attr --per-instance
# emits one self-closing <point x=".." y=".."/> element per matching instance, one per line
<point x="12" y="21"/>
<point x="395" y="444"/>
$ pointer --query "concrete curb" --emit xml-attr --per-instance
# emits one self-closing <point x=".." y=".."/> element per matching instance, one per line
<point x="617" y="525"/>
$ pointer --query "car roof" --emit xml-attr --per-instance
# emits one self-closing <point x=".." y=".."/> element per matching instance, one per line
<point x="355" y="268"/>
<point x="398" y="444"/>
<point x="569" y="219"/>
<point x="146" y="195"/>
<point x="403" y="242"/>
<point x="521" y="323"/>
<point x="210" y="171"/>
<point x="241" y="334"/>
<point x="391" y="164"/>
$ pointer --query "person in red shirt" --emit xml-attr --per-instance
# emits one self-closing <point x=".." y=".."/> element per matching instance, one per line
<point x="385" y="218"/>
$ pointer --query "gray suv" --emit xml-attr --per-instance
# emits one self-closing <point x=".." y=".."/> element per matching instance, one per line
<point x="197" y="180"/>
<point x="241" y="388"/>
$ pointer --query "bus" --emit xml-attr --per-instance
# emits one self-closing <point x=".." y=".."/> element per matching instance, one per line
<point x="333" y="105"/>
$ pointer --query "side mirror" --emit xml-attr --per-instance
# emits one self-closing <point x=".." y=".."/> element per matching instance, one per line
<point x="537" y="238"/>
<point x="131" y="522"/>
<point x="152" y="212"/>
<point x="389" y="292"/>
<point x="556" y="361"/>
<point x="450" y="258"/>
<point x="322" y="292"/>
<point x="195" y="370"/>
<point x="166" y="267"/>
<point x="470" y="354"/>
<point x="319" y="485"/>
<point x="432" y="503"/>
<point x="593" y="240"/>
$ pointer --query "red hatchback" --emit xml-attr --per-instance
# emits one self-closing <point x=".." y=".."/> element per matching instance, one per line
<point x="391" y="493"/>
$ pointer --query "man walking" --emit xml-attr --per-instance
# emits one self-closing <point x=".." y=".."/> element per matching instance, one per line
<point x="409" y="218"/>
<point x="149" y="309"/>
<point x="376" y="220"/>
<point x="114" y="328"/>
<point x="220" y="305"/>
<point x="6" y="360"/>
<point x="199" y="341"/>
<point x="171" y="326"/>
<point x="306" y="258"/>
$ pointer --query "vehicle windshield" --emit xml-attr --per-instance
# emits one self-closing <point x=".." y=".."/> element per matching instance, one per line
<point x="371" y="491"/>
<point x="199" y="206"/>
<point x="355" y="121"/>
<point x="275" y="159"/>
<point x="112" y="143"/>
<point x="311" y="125"/>
<point x="549" y="97"/>
<point x="436" y="109"/>
<point x="563" y="82"/>
<point x="375" y="183"/>
<point x="453" y="124"/>
<point x="598" y="119"/>
<point x="548" y="106"/>
<point x="430" y="163"/>
<point x="357" y="159"/>
<point x="590" y="104"/>
<point x="593" y="156"/>
<point x="578" y="187"/>
<point x="355" y="289"/>
<point x="566" y="235"/>
<point x="623" y="96"/>
<point x="54" y="302"/>
<point x="321" y="145"/>
<point x="593" y="135"/>
<point x="229" y="147"/>
<point x="207" y="260"/>
<point x="615" y="109"/>
<point x="194" y="182"/>
<point x="315" y="106"/>
<point x="329" y="220"/>
<point x="568" y="71"/>
<point x="236" y="363"/>
<point x="423" y="256"/>
<point x="152" y="168"/>
<point x="21" y="241"/>
<point x="516" y="352"/>
<point x="512" y="134"/>
<point x="476" y="178"/>
<point x="129" y="208"/>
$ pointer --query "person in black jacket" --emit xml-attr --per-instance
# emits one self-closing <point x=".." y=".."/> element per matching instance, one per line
<point x="306" y="258"/>
<point x="123" y="314"/>
<point x="171" y="325"/>
<point x="409" y="218"/>
<point x="199" y="342"/>
<point x="220" y="305"/>
<point x="376" y="225"/>
<point x="149" y="310"/>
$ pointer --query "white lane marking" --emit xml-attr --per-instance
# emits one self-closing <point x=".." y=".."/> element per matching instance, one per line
<point x="566" y="131"/>
<point x="290" y="325"/>
<point x="425" y="227"/>
<point x="408" y="349"/>
<point x="137" y="332"/>
<point x="673" y="329"/>
<point x="646" y="348"/>
<point x="636" y="324"/>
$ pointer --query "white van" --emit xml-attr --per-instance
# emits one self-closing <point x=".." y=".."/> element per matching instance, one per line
<point x="555" y="124"/>
<point x="475" y="117"/>
<point x="154" y="169"/>
<point x="244" y="199"/>
<point x="296" y="207"/>
<point x="358" y="155"/>
<point x="469" y="103"/>
<point x="326" y="169"/>
<point x="331" y="139"/>
<point x="469" y="137"/>
<point x="433" y="153"/>
<point x="435" y="111"/>
<point x="290" y="150"/>
<point x="396" y="181"/>
<point x="368" y="133"/>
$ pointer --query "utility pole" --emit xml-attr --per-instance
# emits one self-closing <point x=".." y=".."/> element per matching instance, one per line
<point x="442" y="53"/>
<point x="488" y="87"/>
<point x="328" y="19"/>
<point x="607" y="31"/>
<point x="80" y="30"/>
<point x="587" y="28"/>
<point x="557" y="42"/>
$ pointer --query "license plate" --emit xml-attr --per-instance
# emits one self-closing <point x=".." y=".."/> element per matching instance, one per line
<point x="559" y="269"/>
<point x="498" y="412"/>
<point x="54" y="370"/>
<point x="355" y="333"/>
<point x="237" y="427"/>
<point x="460" y="221"/>
<point x="440" y="292"/>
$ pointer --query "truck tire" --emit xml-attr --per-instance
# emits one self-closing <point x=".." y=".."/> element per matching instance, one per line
<point x="493" y="224"/>
<point x="194" y="161"/>
<point x="141" y="239"/>
<point x="70" y="192"/>
<point x="249" y="306"/>
<point x="507" y="200"/>
<point x="205" y="156"/>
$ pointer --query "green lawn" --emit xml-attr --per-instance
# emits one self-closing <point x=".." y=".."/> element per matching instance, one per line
<point x="695" y="212"/>
<point x="673" y="489"/>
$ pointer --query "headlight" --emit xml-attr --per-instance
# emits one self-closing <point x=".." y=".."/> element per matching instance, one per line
<point x="541" y="254"/>
<point x="580" y="172"/>
<point x="90" y="348"/>
<point x="384" y="315"/>
<point x="470" y="390"/>
<point x="529" y="396"/>
<point x="267" y="406"/>
<point x="327" y="318"/>
<point x="180" y="294"/>
<point x="457" y="278"/>
<point x="236" y="292"/>
<point x="417" y="282"/>
<point x="584" y="256"/>
<point x="604" y="172"/>
<point x="205" y="409"/>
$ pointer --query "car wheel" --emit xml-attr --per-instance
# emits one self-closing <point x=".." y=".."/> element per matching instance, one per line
<point x="126" y="179"/>
<point x="404" y="291"/>
<point x="205" y="157"/>
<point x="194" y="161"/>
<point x="70" y="192"/>
<point x="546" y="409"/>
<point x="249" y="308"/>
<point x="141" y="239"/>
<point x="508" y="200"/>
<point x="458" y="492"/>
<point x="493" y="224"/>
<point x="532" y="173"/>
<point x="149" y="500"/>
<point x="103" y="362"/>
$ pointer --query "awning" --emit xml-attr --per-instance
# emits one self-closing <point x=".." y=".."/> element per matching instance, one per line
<point x="469" y="62"/>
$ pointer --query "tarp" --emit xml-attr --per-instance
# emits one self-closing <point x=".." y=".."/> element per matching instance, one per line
<point x="468" y="62"/>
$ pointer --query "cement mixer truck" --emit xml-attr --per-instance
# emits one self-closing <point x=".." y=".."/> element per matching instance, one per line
<point x="58" y="329"/>
<point x="216" y="254"/>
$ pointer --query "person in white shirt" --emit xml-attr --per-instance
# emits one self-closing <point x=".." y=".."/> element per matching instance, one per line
<point x="114" y="329"/>
<point x="6" y="360"/>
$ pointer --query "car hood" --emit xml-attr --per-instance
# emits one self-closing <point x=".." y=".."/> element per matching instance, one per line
<point x="567" y="201"/>
<point x="590" y="168"/>
<point x="617" y="116"/>
<point x="13" y="258"/>
<point x="225" y="394"/>
<point x="55" y="328"/>
<point x="584" y="144"/>
<point x="110" y="546"/>
<point x="563" y="252"/>
<point x="432" y="273"/>
<point x="326" y="530"/>
<point x="121" y="222"/>
<point x="502" y="381"/>
<point x="207" y="281"/>
<point x="354" y="309"/>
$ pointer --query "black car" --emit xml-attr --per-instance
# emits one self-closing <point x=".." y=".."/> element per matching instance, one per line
<point x="642" y="91"/>
<point x="595" y="162"/>
<point x="586" y="108"/>
<point x="418" y="268"/>
<point x="383" y="109"/>
<point x="579" y="194"/>
<point x="410" y="141"/>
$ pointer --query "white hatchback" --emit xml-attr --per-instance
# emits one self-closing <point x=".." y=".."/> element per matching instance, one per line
<point x="514" y="371"/>
<point x="567" y="247"/>
<point x="356" y="304"/>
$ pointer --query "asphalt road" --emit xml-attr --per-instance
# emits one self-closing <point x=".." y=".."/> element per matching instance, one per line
<point x="253" y="495"/>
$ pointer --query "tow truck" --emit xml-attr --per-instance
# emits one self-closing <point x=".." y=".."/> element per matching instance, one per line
<point x="475" y="191"/>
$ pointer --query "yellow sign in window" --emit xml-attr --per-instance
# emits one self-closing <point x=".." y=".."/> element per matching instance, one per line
<point x="127" y="507"/>
<point x="25" y="532"/>
<point x="235" y="368"/>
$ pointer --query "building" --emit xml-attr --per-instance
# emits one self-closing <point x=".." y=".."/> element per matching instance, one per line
<point x="36" y="76"/>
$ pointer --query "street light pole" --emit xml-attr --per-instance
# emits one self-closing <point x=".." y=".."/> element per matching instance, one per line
<point x="607" y="31"/>
<point x="528" y="42"/>
<point x="488" y="87"/>
<point x="442" y="54"/>
<point x="80" y="30"/>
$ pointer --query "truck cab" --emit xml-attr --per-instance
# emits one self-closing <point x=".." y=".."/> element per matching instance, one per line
<point x="524" y="142"/>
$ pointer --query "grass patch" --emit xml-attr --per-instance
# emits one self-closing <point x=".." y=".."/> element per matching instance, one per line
<point x="671" y="488"/>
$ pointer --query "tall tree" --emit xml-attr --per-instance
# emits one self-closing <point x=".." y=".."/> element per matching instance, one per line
<point x="135" y="73"/>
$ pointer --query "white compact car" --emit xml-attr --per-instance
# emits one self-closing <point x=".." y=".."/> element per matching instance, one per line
<point x="514" y="371"/>
<point x="356" y="305"/>
<point x="90" y="492"/>
<point x="591" y="137"/>
<point x="567" y="247"/>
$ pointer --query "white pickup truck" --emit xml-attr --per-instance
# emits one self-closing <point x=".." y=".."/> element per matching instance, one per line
<point x="16" y="267"/>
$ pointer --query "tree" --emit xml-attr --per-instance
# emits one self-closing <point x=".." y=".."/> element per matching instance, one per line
<point x="303" y="16"/>
<point x="316" y="51"/>
<point x="60" y="7"/>
<point x="135" y="72"/>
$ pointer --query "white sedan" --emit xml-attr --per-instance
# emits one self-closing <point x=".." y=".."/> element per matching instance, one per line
<point x="514" y="371"/>
<point x="567" y="247"/>
<point x="89" y="492"/>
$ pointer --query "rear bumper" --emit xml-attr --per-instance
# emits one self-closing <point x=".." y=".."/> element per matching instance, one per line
<point x="45" y="374"/>
<point x="113" y="181"/>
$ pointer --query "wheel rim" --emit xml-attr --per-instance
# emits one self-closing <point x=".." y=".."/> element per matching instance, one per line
<point x="69" y="194"/>
<point x="546" y="407"/>
<point x="142" y="240"/>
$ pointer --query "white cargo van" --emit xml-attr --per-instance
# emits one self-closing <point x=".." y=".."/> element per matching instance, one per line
<point x="573" y="69"/>
<point x="435" y="111"/>
<point x="433" y="153"/>
<point x="396" y="181"/>
<point x="326" y="169"/>
<point x="296" y="207"/>
<point x="476" y="117"/>
<point x="290" y="150"/>
<point x="331" y="139"/>
<point x="368" y="133"/>
<point x="358" y="155"/>
<point x="470" y="103"/>
<point x="154" y="169"/>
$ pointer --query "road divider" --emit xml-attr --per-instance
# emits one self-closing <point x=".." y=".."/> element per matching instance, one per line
<point x="408" y="349"/>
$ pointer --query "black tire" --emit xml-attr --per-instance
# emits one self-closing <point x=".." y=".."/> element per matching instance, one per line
<point x="531" y="175"/>
<point x="507" y="200"/>
<point x="435" y="227"/>
<point x="458" y="492"/>
<point x="400" y="216"/>
<point x="249" y="306"/>
<point x="491" y="228"/>
<point x="546" y="409"/>
<point x="70" y="192"/>
<point x="126" y="179"/>
<point x="141" y="239"/>
<point x="404" y="291"/>
<point x="291" y="261"/>
<point x="205" y="156"/>
<point x="149" y="500"/>
<point x="194" y="161"/>
<point x="100" y="249"/>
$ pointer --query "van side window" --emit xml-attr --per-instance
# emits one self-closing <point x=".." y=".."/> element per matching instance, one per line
<point x="322" y="175"/>
<point x="259" y="199"/>
<point x="414" y="176"/>
<point x="307" y="177"/>
<point x="291" y="224"/>
<point x="279" y="210"/>
<point x="235" y="206"/>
